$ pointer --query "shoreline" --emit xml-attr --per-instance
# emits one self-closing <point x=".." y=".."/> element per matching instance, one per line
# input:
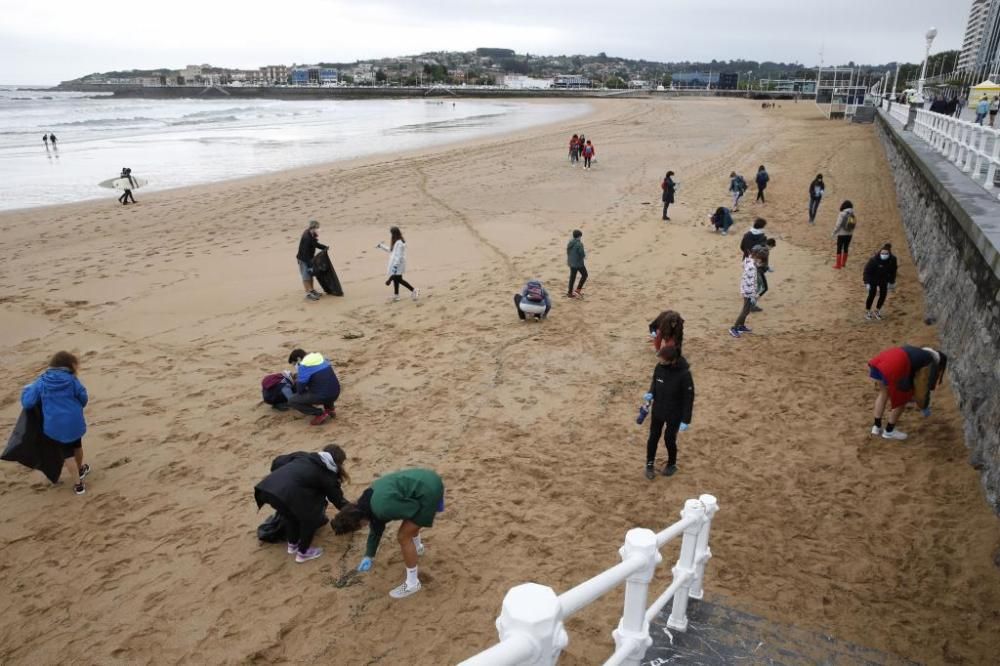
<point x="594" y="113"/>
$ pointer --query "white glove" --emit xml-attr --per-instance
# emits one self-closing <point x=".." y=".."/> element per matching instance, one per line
<point x="868" y="287"/>
<point x="892" y="286"/>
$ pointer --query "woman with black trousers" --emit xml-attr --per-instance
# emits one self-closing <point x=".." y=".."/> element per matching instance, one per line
<point x="669" y="187"/>
<point x="879" y="276"/>
<point x="297" y="488"/>
<point x="673" y="401"/>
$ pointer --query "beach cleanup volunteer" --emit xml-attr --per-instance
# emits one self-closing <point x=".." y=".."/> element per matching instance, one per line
<point x="895" y="371"/>
<point x="413" y="496"/>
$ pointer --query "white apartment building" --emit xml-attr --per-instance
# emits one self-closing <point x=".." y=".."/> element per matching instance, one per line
<point x="974" y="31"/>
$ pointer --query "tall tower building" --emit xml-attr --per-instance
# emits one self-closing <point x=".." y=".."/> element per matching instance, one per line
<point x="980" y="56"/>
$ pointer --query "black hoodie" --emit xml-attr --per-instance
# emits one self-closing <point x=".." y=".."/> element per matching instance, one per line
<point x="880" y="272"/>
<point x="673" y="392"/>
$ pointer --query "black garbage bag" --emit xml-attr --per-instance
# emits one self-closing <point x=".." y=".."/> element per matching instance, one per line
<point x="323" y="271"/>
<point x="272" y="530"/>
<point x="28" y="446"/>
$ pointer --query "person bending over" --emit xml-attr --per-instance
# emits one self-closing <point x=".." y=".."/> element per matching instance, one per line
<point x="298" y="488"/>
<point x="412" y="496"/>
<point x="894" y="371"/>
<point x="533" y="300"/>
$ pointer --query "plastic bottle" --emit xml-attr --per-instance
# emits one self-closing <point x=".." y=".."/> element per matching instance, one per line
<point x="644" y="408"/>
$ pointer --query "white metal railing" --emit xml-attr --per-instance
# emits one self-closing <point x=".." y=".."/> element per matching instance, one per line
<point x="531" y="620"/>
<point x="973" y="148"/>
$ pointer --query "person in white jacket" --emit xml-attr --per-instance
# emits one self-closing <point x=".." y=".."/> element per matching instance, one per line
<point x="748" y="290"/>
<point x="397" y="264"/>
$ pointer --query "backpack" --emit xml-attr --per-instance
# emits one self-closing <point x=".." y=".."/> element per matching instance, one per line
<point x="533" y="293"/>
<point x="270" y="388"/>
<point x="850" y="222"/>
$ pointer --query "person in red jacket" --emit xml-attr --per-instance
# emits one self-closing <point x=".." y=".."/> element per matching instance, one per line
<point x="588" y="154"/>
<point x="894" y="371"/>
<point x="574" y="150"/>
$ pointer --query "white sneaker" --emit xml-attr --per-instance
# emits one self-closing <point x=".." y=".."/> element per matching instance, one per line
<point x="877" y="315"/>
<point x="868" y="315"/>
<point x="415" y="294"/>
<point x="876" y="431"/>
<point x="405" y="590"/>
<point x="393" y="299"/>
<point x="894" y="434"/>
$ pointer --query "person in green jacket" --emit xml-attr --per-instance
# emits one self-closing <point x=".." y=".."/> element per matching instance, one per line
<point x="575" y="254"/>
<point x="413" y="496"/>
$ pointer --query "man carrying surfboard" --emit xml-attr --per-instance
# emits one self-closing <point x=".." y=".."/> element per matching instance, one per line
<point x="127" y="194"/>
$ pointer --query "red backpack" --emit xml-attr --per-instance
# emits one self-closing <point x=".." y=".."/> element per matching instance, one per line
<point x="270" y="388"/>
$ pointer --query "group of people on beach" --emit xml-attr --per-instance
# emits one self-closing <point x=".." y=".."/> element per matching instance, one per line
<point x="309" y="247"/>
<point x="581" y="147"/>
<point x="49" y="138"/>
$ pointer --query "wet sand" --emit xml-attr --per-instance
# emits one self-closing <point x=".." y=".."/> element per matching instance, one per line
<point x="178" y="305"/>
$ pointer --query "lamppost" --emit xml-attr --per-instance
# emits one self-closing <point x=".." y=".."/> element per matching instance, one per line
<point x="931" y="34"/>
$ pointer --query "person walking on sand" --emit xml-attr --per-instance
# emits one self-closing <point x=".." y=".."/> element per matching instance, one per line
<point x="62" y="398"/>
<point x="672" y="390"/>
<point x="844" y="231"/>
<point x="413" y="496"/>
<point x="298" y="488"/>
<point x="748" y="290"/>
<point x="575" y="256"/>
<point x="894" y="371"/>
<point x="994" y="108"/>
<point x="721" y="220"/>
<point x="45" y="140"/>
<point x="762" y="179"/>
<point x="316" y="383"/>
<point x="816" y="191"/>
<point x="669" y="187"/>
<point x="127" y="194"/>
<point x="397" y="264"/>
<point x="879" y="276"/>
<point x="763" y="252"/>
<point x="308" y="246"/>
<point x="737" y="186"/>
<point x="574" y="150"/>
<point x="588" y="154"/>
<point x="52" y="139"/>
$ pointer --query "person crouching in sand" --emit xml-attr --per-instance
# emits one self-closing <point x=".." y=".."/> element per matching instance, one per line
<point x="413" y="496"/>
<point x="298" y="488"/>
<point x="895" y="373"/>
<point x="672" y="389"/>
<point x="316" y="383"/>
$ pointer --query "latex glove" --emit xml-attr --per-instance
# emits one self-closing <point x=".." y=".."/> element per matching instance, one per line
<point x="684" y="426"/>
<point x="926" y="411"/>
<point x="868" y="287"/>
<point x="892" y="286"/>
<point x="648" y="397"/>
<point x="366" y="564"/>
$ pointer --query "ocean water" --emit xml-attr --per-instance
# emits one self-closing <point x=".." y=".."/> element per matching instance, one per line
<point x="173" y="143"/>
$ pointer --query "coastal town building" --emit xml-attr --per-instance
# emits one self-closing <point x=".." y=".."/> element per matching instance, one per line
<point x="980" y="55"/>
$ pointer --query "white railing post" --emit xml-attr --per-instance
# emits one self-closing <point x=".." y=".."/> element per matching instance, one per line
<point x="702" y="553"/>
<point x="991" y="172"/>
<point x="532" y="611"/>
<point x="633" y="628"/>
<point x="684" y="569"/>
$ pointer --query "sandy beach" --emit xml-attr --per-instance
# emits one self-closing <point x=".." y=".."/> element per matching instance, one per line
<point x="179" y="305"/>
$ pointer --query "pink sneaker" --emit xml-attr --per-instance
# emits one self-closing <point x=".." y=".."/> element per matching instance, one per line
<point x="310" y="554"/>
<point x="292" y="548"/>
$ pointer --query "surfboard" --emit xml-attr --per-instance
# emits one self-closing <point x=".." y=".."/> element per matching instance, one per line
<point x="122" y="183"/>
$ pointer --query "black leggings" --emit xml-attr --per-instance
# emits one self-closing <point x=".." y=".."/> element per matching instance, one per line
<point x="126" y="196"/>
<point x="843" y="243"/>
<point x="760" y="194"/>
<point x="572" y="278"/>
<point x="762" y="274"/>
<point x="586" y="162"/>
<point x="883" y="291"/>
<point x="665" y="207"/>
<point x="656" y="426"/>
<point x="397" y="280"/>
<point x="295" y="532"/>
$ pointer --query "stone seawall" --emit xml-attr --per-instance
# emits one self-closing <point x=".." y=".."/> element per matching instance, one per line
<point x="953" y="228"/>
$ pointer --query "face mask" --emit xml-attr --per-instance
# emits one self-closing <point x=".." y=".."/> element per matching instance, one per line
<point x="884" y="255"/>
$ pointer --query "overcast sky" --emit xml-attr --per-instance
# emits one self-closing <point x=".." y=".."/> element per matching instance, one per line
<point x="46" y="41"/>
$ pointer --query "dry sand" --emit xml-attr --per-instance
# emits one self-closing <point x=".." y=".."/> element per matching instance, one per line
<point x="180" y="304"/>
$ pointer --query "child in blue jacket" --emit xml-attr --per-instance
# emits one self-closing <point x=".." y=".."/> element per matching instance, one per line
<point x="62" y="398"/>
